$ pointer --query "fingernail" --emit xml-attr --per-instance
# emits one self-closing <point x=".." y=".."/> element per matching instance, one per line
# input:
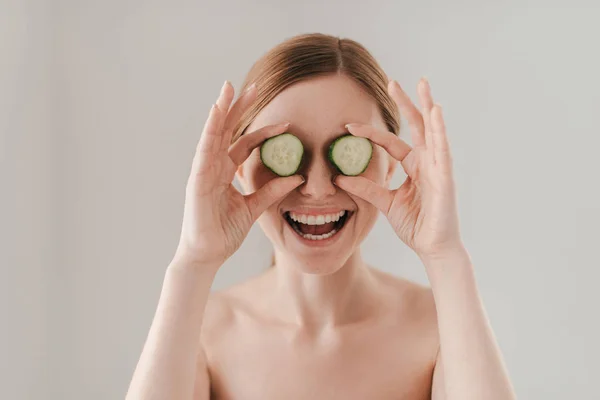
<point x="224" y="86"/>
<point x="426" y="81"/>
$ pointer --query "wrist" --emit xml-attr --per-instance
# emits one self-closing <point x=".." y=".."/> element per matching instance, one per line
<point x="442" y="255"/>
<point x="198" y="255"/>
<point x="188" y="260"/>
<point x="191" y="279"/>
<point x="448" y="265"/>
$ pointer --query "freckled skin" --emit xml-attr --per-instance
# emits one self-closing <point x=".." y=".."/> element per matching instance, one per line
<point x="321" y="324"/>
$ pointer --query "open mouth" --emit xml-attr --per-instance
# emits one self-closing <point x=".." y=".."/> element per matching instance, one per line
<point x="319" y="227"/>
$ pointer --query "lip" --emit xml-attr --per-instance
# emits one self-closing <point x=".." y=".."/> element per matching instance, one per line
<point x="317" y="211"/>
<point x="324" y="242"/>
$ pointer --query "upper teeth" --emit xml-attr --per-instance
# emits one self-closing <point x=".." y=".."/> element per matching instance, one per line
<point x="317" y="219"/>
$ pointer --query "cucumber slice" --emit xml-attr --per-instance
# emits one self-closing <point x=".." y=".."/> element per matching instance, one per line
<point x="282" y="154"/>
<point x="351" y="154"/>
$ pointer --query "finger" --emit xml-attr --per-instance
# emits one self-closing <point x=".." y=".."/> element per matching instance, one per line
<point x="223" y="100"/>
<point x="224" y="103"/>
<point x="426" y="104"/>
<point x="226" y="97"/>
<point x="243" y="147"/>
<point x="209" y="143"/>
<point x="423" y="89"/>
<point x="367" y="190"/>
<point x="410" y="111"/>
<point x="272" y="191"/>
<point x="443" y="156"/>
<point x="235" y="114"/>
<point x="395" y="146"/>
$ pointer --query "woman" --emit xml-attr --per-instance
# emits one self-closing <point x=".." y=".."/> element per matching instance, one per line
<point x="320" y="324"/>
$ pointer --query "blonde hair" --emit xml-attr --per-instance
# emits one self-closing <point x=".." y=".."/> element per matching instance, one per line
<point x="311" y="55"/>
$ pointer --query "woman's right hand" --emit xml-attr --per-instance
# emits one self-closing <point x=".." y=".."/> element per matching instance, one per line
<point x="217" y="217"/>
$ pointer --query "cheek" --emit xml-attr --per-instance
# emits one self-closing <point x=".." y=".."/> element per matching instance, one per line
<point x="270" y="222"/>
<point x="368" y="214"/>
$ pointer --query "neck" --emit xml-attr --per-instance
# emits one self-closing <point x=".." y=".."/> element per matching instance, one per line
<point x="316" y="302"/>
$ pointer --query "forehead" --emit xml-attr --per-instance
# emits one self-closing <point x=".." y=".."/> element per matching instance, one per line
<point x="320" y="107"/>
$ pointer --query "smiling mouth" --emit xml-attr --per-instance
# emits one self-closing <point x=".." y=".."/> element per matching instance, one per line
<point x="312" y="231"/>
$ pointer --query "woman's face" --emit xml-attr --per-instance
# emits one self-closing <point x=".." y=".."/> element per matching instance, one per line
<point x="318" y="109"/>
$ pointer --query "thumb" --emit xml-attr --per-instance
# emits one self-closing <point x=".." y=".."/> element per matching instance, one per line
<point x="272" y="191"/>
<point x="367" y="190"/>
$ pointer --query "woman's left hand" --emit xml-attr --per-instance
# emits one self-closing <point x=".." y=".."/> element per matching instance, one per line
<point x="423" y="211"/>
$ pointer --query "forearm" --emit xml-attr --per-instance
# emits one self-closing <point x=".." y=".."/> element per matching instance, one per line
<point x="472" y="362"/>
<point x="167" y="365"/>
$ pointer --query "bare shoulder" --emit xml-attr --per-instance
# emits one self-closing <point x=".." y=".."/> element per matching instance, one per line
<point x="246" y="301"/>
<point x="217" y="317"/>
<point x="243" y="306"/>
<point x="228" y="307"/>
<point x="412" y="300"/>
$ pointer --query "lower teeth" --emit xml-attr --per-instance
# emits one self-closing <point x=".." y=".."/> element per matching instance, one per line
<point x="318" y="237"/>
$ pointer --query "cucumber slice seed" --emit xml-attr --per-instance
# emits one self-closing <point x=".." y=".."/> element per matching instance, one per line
<point x="282" y="154"/>
<point x="351" y="154"/>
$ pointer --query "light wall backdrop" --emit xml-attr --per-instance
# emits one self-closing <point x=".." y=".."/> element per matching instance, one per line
<point x="101" y="107"/>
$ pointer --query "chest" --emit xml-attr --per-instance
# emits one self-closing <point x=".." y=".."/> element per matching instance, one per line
<point x="356" y="365"/>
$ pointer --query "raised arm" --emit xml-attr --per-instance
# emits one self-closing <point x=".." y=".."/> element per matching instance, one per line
<point x="470" y="364"/>
<point x="424" y="215"/>
<point x="216" y="220"/>
<point x="171" y="356"/>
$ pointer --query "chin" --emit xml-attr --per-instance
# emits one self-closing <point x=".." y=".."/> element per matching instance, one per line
<point x="314" y="241"/>
<point x="324" y="264"/>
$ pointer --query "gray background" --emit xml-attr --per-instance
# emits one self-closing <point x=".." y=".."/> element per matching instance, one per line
<point x="101" y="106"/>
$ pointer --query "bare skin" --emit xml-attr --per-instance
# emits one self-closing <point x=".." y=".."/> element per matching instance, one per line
<point x="385" y="350"/>
<point x="347" y="330"/>
<point x="321" y="323"/>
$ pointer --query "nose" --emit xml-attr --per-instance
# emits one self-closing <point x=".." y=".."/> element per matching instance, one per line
<point x="319" y="180"/>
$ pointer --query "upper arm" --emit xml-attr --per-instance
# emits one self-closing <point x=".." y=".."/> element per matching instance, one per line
<point x="216" y="319"/>
<point x="202" y="382"/>
<point x="438" y="388"/>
